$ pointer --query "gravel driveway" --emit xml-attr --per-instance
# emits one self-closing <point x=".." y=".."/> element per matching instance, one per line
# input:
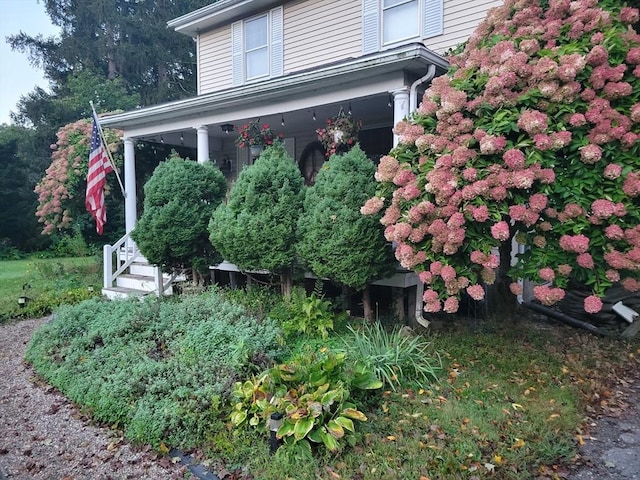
<point x="44" y="437"/>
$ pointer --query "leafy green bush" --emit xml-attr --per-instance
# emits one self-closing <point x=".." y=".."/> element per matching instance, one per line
<point x="304" y="314"/>
<point x="259" y="301"/>
<point x="158" y="369"/>
<point x="396" y="358"/>
<point x="313" y="395"/>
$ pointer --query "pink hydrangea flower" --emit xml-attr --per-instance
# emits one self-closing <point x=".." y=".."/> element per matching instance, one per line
<point x="592" y="304"/>
<point x="372" y="206"/>
<point x="612" y="171"/>
<point x="515" y="288"/>
<point x="585" y="260"/>
<point x="612" y="275"/>
<point x="476" y="292"/>
<point x="547" y="274"/>
<point x="548" y="295"/>
<point x="574" y="243"/>
<point x="614" y="232"/>
<point x="451" y="305"/>
<point x="533" y="121"/>
<point x="448" y="273"/>
<point x="590" y="154"/>
<point x="500" y="231"/>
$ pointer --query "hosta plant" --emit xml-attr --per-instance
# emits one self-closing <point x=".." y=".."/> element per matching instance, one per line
<point x="532" y="134"/>
<point x="313" y="393"/>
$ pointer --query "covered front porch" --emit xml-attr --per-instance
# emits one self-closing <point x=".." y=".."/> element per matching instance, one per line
<point x="378" y="90"/>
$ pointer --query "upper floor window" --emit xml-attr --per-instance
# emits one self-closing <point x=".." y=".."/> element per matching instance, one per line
<point x="257" y="47"/>
<point x="386" y="22"/>
<point x="399" y="20"/>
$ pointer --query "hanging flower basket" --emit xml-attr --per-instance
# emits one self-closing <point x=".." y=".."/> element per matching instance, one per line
<point x="253" y="134"/>
<point x="340" y="134"/>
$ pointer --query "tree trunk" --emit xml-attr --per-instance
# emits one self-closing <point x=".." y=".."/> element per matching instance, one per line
<point x="286" y="282"/>
<point x="366" y="304"/>
<point x="501" y="303"/>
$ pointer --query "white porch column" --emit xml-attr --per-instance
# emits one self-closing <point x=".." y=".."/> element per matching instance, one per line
<point x="400" y="108"/>
<point x="130" y="184"/>
<point x="203" y="143"/>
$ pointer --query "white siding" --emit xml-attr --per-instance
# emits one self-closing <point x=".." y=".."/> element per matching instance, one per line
<point x="320" y="31"/>
<point x="461" y="17"/>
<point x="214" y="62"/>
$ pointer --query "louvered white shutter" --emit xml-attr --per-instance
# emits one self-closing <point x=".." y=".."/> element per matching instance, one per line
<point x="237" y="53"/>
<point x="276" y="43"/>
<point x="370" y="26"/>
<point x="433" y="18"/>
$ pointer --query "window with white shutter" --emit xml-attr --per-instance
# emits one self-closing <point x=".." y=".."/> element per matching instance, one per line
<point x="388" y="22"/>
<point x="257" y="50"/>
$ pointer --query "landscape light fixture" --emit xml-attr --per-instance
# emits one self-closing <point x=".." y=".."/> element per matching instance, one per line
<point x="161" y="139"/>
<point x="275" y="421"/>
<point x="282" y="120"/>
<point x="314" y="114"/>
<point x="226" y="128"/>
<point x="349" y="111"/>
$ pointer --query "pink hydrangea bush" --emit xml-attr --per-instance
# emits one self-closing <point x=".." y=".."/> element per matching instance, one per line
<point x="65" y="178"/>
<point x="533" y="134"/>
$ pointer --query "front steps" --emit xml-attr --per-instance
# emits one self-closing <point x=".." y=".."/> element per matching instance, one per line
<point x="139" y="280"/>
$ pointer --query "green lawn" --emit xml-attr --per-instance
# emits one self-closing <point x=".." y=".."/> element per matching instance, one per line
<point x="45" y="282"/>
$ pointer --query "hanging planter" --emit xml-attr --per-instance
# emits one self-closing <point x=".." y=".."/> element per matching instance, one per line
<point x="340" y="134"/>
<point x="255" y="150"/>
<point x="256" y="136"/>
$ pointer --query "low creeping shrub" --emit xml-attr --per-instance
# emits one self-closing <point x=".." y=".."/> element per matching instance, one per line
<point x="160" y="370"/>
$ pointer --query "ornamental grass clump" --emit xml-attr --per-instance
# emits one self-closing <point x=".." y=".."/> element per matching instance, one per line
<point x="396" y="358"/>
<point x="533" y="134"/>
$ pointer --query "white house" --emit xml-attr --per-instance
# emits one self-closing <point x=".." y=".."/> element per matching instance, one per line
<point x="293" y="64"/>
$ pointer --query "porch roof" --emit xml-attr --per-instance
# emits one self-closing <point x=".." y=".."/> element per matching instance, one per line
<point x="358" y="77"/>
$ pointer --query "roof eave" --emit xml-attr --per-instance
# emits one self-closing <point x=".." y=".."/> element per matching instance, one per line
<point x="216" y="14"/>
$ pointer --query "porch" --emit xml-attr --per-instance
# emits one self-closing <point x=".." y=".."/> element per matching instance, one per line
<point x="378" y="90"/>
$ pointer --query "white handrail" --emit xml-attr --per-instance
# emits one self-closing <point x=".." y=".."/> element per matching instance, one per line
<point x="126" y="252"/>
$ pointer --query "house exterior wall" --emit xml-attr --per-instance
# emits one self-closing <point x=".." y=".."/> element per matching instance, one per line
<point x="214" y="60"/>
<point x="461" y="17"/>
<point x="318" y="32"/>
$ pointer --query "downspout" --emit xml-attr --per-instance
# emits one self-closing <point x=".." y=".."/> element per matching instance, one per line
<point x="419" y="302"/>
<point x="413" y="104"/>
<point x="413" y="92"/>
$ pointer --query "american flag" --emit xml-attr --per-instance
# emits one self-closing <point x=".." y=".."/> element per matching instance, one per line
<point x="99" y="166"/>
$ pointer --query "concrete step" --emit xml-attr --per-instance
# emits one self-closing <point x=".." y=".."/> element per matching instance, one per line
<point x="136" y="282"/>
<point x="121" y="293"/>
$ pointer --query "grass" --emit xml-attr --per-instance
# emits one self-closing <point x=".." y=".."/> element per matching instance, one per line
<point x="46" y="280"/>
<point x="510" y="404"/>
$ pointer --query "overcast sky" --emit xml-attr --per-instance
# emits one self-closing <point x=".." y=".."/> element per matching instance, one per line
<point x="17" y="76"/>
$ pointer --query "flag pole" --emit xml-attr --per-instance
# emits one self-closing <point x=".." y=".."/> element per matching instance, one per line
<point x="104" y="143"/>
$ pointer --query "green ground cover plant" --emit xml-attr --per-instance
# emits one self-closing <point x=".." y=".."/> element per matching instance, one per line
<point x="47" y="282"/>
<point x="160" y="370"/>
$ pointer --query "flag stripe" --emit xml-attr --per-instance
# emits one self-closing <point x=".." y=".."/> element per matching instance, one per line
<point x="99" y="166"/>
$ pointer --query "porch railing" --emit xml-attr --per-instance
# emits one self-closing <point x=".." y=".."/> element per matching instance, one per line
<point x="125" y="251"/>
